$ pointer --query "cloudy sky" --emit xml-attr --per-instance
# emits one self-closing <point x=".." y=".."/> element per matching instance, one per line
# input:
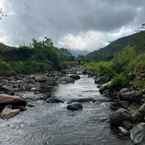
<point x="75" y="24"/>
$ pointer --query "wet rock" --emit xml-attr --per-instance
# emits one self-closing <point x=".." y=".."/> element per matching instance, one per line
<point x="14" y="101"/>
<point x="140" y="114"/>
<point x="54" y="100"/>
<point x="123" y="131"/>
<point x="124" y="90"/>
<point x="8" y="112"/>
<point x="41" y="78"/>
<point x="65" y="80"/>
<point x="45" y="88"/>
<point x="131" y="96"/>
<point x="74" y="106"/>
<point x="102" y="79"/>
<point x="82" y="100"/>
<point x="105" y="87"/>
<point x="127" y="125"/>
<point x="137" y="134"/>
<point x="76" y="77"/>
<point x="119" y="104"/>
<point x="118" y="117"/>
<point x="30" y="105"/>
<point x="6" y="89"/>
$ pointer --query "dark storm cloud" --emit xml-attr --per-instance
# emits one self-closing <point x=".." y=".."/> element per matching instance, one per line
<point x="57" y="18"/>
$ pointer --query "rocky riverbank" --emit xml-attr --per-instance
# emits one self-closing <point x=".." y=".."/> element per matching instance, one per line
<point x="17" y="93"/>
<point x="128" y="109"/>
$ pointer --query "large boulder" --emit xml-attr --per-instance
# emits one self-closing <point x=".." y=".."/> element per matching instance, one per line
<point x="118" y="117"/>
<point x="130" y="95"/>
<point x="74" y="106"/>
<point x="8" y="112"/>
<point x="137" y="134"/>
<point x="14" y="101"/>
<point x="76" y="77"/>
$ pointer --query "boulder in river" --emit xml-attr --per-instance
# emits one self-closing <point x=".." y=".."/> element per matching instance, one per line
<point x="65" y="80"/>
<point x="75" y="106"/>
<point x="137" y="134"/>
<point x="14" y="101"/>
<point x="54" y="100"/>
<point x="118" y="117"/>
<point x="8" y="112"/>
<point x="76" y="77"/>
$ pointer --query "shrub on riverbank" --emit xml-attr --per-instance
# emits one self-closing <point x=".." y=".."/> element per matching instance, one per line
<point x="23" y="67"/>
<point x="101" y="68"/>
<point x="125" y="67"/>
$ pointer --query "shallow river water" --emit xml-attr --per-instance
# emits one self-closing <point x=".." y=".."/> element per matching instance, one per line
<point x="53" y="124"/>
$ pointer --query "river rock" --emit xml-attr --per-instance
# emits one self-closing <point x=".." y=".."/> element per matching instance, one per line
<point x="124" y="90"/>
<point x="41" y="78"/>
<point x="105" y="87"/>
<point x="8" y="112"/>
<point x="82" y="100"/>
<point x="118" y="117"/>
<point x="54" y="100"/>
<point x="45" y="88"/>
<point x="130" y="96"/>
<point x="102" y="79"/>
<point x="14" y="101"/>
<point x="65" y="80"/>
<point x="137" y="134"/>
<point x="140" y="114"/>
<point x="119" y="104"/>
<point x="75" y="106"/>
<point x="123" y="131"/>
<point x="76" y="77"/>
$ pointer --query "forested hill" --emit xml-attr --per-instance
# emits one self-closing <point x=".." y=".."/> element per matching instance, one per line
<point x="39" y="56"/>
<point x="136" y="40"/>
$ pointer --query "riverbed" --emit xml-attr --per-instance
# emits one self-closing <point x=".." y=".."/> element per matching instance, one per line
<point x="53" y="124"/>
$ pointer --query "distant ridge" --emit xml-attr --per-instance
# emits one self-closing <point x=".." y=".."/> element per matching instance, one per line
<point x="136" y="40"/>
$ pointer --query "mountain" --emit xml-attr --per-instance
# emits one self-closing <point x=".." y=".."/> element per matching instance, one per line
<point x="77" y="52"/>
<point x="135" y="40"/>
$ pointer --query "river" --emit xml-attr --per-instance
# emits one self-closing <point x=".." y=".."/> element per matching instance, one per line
<point x="53" y="124"/>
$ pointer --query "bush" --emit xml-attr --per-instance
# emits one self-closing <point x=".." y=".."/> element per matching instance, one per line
<point x="101" y="68"/>
<point x="123" y="58"/>
<point x="5" y="68"/>
<point x="120" y="80"/>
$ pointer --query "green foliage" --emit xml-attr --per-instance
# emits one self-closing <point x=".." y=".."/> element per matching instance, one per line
<point x="39" y="56"/>
<point x="120" y="80"/>
<point x="123" y="58"/>
<point x="5" y="68"/>
<point x="23" y="67"/>
<point x="101" y="68"/>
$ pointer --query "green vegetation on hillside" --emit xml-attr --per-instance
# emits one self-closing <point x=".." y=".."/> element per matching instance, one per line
<point x="107" y="53"/>
<point x="39" y="56"/>
<point x="126" y="68"/>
